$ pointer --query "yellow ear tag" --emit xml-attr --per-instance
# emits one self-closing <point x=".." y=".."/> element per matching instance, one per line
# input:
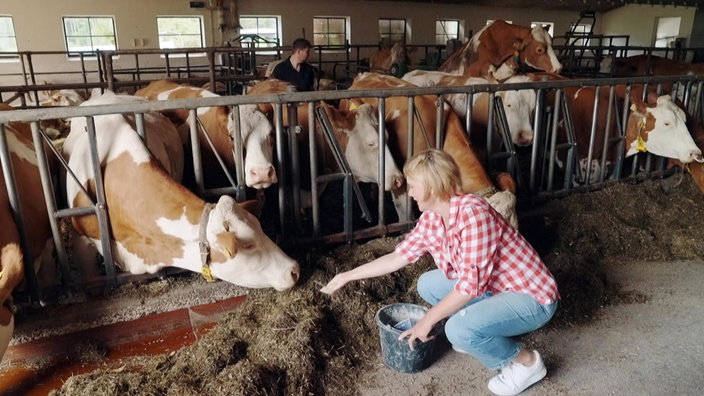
<point x="640" y="145"/>
<point x="227" y="252"/>
<point x="207" y="274"/>
<point x="0" y="274"/>
<point x="353" y="105"/>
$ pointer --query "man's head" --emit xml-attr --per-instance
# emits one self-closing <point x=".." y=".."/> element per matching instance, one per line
<point x="301" y="49"/>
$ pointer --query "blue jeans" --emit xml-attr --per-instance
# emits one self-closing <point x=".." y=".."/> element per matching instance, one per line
<point x="485" y="326"/>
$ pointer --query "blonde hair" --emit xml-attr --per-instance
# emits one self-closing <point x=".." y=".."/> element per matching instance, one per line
<point x="437" y="171"/>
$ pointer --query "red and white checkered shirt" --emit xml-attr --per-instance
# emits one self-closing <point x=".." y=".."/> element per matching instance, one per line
<point x="480" y="249"/>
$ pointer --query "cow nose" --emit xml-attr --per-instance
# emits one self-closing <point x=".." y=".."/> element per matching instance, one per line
<point x="525" y="138"/>
<point x="263" y="175"/>
<point x="295" y="273"/>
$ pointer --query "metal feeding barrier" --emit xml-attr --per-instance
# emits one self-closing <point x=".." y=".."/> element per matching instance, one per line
<point x="541" y="180"/>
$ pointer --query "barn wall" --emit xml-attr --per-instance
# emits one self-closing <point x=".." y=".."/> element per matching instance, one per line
<point x="38" y="25"/>
<point x="639" y="21"/>
<point x="421" y="17"/>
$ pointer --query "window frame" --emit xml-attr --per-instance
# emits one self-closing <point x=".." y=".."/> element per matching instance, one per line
<point x="669" y="40"/>
<point x="327" y="33"/>
<point x="201" y="27"/>
<point x="7" y="55"/>
<point x="72" y="54"/>
<point x="388" y="40"/>
<point x="445" y="34"/>
<point x="279" y="39"/>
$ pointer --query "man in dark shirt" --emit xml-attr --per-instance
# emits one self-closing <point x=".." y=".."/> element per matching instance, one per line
<point x="295" y="69"/>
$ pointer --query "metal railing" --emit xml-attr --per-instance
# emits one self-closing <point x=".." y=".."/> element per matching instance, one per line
<point x="537" y="181"/>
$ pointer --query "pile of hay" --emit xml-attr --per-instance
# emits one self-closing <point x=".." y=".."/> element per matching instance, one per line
<point x="304" y="342"/>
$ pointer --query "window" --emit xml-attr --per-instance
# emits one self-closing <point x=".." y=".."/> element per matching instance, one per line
<point x="490" y="21"/>
<point x="667" y="31"/>
<point x="8" y="41"/>
<point x="261" y="32"/>
<point x="392" y="31"/>
<point x="550" y="27"/>
<point x="329" y="30"/>
<point x="180" y="32"/>
<point x="89" y="34"/>
<point x="445" y="30"/>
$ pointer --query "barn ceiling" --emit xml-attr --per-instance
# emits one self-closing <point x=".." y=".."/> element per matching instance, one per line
<point x="564" y="5"/>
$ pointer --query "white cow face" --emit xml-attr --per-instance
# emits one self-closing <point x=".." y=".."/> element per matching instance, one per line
<point x="519" y="106"/>
<point x="258" y="136"/>
<point x="661" y="130"/>
<point x="242" y="254"/>
<point x="360" y="127"/>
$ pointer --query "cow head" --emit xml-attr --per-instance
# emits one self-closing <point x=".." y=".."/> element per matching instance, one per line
<point x="537" y="52"/>
<point x="257" y="137"/>
<point x="358" y="131"/>
<point x="242" y="254"/>
<point x="518" y="106"/>
<point x="661" y="129"/>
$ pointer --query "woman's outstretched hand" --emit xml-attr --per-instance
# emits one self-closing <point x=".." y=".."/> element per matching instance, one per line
<point x="335" y="283"/>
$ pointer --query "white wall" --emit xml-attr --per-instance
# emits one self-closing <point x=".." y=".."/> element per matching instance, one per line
<point x="421" y="16"/>
<point x="38" y="23"/>
<point x="639" y="21"/>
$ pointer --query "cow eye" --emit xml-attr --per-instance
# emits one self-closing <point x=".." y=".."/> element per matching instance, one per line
<point x="246" y="245"/>
<point x="541" y="50"/>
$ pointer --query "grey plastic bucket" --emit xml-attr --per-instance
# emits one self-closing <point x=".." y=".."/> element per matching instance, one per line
<point x="396" y="353"/>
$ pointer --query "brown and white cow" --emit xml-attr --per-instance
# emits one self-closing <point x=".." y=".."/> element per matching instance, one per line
<point x="356" y="131"/>
<point x="499" y="48"/>
<point x="475" y="179"/>
<point x="518" y="104"/>
<point x="219" y="124"/>
<point x="158" y="223"/>
<point x="36" y="221"/>
<point x="648" y="65"/>
<point x="657" y="125"/>
<point x="384" y="58"/>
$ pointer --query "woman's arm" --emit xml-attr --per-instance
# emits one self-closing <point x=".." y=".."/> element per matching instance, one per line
<point x="451" y="303"/>
<point x="383" y="265"/>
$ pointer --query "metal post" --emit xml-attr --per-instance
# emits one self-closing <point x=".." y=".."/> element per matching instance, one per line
<point x="50" y="201"/>
<point x="195" y="151"/>
<point x="281" y="154"/>
<point x="14" y="200"/>
<point x="101" y="209"/>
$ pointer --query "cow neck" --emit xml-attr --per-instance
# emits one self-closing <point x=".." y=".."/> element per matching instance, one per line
<point x="204" y="245"/>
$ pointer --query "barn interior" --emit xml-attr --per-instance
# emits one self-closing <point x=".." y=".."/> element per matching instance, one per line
<point x="80" y="338"/>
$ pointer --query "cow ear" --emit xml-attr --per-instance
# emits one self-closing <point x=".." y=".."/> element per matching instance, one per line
<point x="519" y="45"/>
<point x="638" y="106"/>
<point x="336" y="117"/>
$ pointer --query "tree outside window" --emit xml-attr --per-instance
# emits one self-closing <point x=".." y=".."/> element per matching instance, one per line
<point x="180" y="32"/>
<point x="87" y="34"/>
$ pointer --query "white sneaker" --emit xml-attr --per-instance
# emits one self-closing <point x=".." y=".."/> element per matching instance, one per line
<point x="515" y="377"/>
